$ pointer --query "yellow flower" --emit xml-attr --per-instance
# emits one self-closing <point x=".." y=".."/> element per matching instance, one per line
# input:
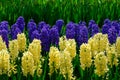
<point x="100" y="64"/>
<point x="102" y="41"/>
<point x="21" y="42"/>
<point x="66" y="68"/>
<point x="98" y="43"/>
<point x="62" y="43"/>
<point x="4" y="62"/>
<point x="2" y="44"/>
<point x="71" y="47"/>
<point x="28" y="64"/>
<point x="13" y="69"/>
<point x="85" y="56"/>
<point x="39" y="71"/>
<point x="13" y="48"/>
<point x="112" y="55"/>
<point x="54" y="60"/>
<point x="35" y="49"/>
<point x="118" y="46"/>
<point x="92" y="45"/>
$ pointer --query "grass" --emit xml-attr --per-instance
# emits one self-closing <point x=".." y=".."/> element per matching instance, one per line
<point x="51" y="10"/>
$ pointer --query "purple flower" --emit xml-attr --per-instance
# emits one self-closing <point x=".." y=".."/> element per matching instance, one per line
<point x="107" y="21"/>
<point x="35" y="34"/>
<point x="91" y="22"/>
<point x="116" y="25"/>
<point x="14" y="31"/>
<point x="4" y="25"/>
<point x="54" y="36"/>
<point x="81" y="35"/>
<point x="70" y="31"/>
<point x="21" y="23"/>
<point x="77" y="28"/>
<point x="47" y="26"/>
<point x="119" y="34"/>
<point x="31" y="20"/>
<point x="4" y="34"/>
<point x="112" y="35"/>
<point x="95" y="29"/>
<point x="31" y="26"/>
<point x="105" y="28"/>
<point x="82" y="23"/>
<point x="44" y="37"/>
<point x="59" y="23"/>
<point x="40" y="25"/>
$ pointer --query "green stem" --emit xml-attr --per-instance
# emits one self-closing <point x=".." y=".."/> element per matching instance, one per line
<point x="45" y="68"/>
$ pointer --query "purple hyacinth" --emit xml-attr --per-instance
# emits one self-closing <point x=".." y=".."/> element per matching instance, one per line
<point x="81" y="34"/>
<point x="107" y="21"/>
<point x="44" y="37"/>
<point x="119" y="34"/>
<point x="70" y="31"/>
<point x="14" y="31"/>
<point x="40" y="25"/>
<point x="77" y="29"/>
<point x="31" y="26"/>
<point x="31" y="20"/>
<point x="95" y="29"/>
<point x="35" y="34"/>
<point x="112" y="35"/>
<point x="59" y="23"/>
<point x="105" y="28"/>
<point x="54" y="36"/>
<point x="47" y="26"/>
<point x="91" y="22"/>
<point x="21" y="23"/>
<point x="4" y="34"/>
<point x="116" y="25"/>
<point x="4" y="25"/>
<point x="82" y="23"/>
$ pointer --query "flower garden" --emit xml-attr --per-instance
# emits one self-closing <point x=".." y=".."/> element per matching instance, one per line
<point x="63" y="50"/>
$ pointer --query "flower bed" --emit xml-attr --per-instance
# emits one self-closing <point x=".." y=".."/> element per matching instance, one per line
<point x="74" y="51"/>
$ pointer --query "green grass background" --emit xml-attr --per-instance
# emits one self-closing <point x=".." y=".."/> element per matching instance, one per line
<point x="52" y="10"/>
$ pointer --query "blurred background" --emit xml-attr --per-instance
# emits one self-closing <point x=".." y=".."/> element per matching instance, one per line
<point x="52" y="10"/>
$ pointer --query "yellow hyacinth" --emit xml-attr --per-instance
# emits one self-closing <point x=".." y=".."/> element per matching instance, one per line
<point x="85" y="56"/>
<point x="62" y="43"/>
<point x="13" y="48"/>
<point x="2" y="44"/>
<point x="92" y="45"/>
<point x="98" y="43"/>
<point x="112" y="56"/>
<point x="104" y="42"/>
<point x="71" y="47"/>
<point x="35" y="49"/>
<point x="21" y="42"/>
<point x="28" y="64"/>
<point x="100" y="64"/>
<point x="39" y="70"/>
<point x="13" y="69"/>
<point x="118" y="46"/>
<point x="4" y="62"/>
<point x="66" y="67"/>
<point x="54" y="60"/>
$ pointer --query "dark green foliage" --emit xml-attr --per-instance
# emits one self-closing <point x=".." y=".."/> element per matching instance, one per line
<point x="52" y="10"/>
